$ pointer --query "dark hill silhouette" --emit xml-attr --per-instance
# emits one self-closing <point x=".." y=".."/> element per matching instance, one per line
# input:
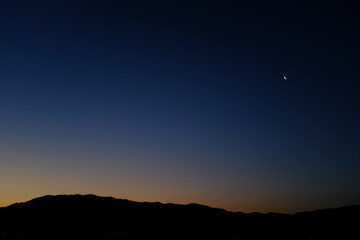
<point x="93" y="217"/>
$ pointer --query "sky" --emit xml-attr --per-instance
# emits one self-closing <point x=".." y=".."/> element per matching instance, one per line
<point x="182" y="102"/>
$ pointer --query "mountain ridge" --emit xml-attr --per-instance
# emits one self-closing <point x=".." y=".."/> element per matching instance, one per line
<point x="93" y="217"/>
<point x="185" y="204"/>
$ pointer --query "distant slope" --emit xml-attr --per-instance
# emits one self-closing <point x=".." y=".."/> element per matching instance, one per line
<point x="93" y="217"/>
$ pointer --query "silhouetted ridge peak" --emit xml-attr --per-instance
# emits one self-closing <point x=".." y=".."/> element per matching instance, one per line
<point x="93" y="217"/>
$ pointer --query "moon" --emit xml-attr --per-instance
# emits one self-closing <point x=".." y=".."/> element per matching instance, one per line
<point x="285" y="78"/>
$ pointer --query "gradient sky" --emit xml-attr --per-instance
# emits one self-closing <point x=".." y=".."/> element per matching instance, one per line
<point x="181" y="101"/>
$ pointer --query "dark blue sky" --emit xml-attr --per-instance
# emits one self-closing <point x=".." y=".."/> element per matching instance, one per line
<point x="179" y="101"/>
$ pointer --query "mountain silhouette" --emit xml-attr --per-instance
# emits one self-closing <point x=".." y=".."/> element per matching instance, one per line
<point x="94" y="217"/>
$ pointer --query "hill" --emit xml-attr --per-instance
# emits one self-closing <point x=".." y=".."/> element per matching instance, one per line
<point x="93" y="217"/>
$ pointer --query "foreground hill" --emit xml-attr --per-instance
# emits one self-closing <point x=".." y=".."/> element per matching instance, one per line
<point x="93" y="217"/>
